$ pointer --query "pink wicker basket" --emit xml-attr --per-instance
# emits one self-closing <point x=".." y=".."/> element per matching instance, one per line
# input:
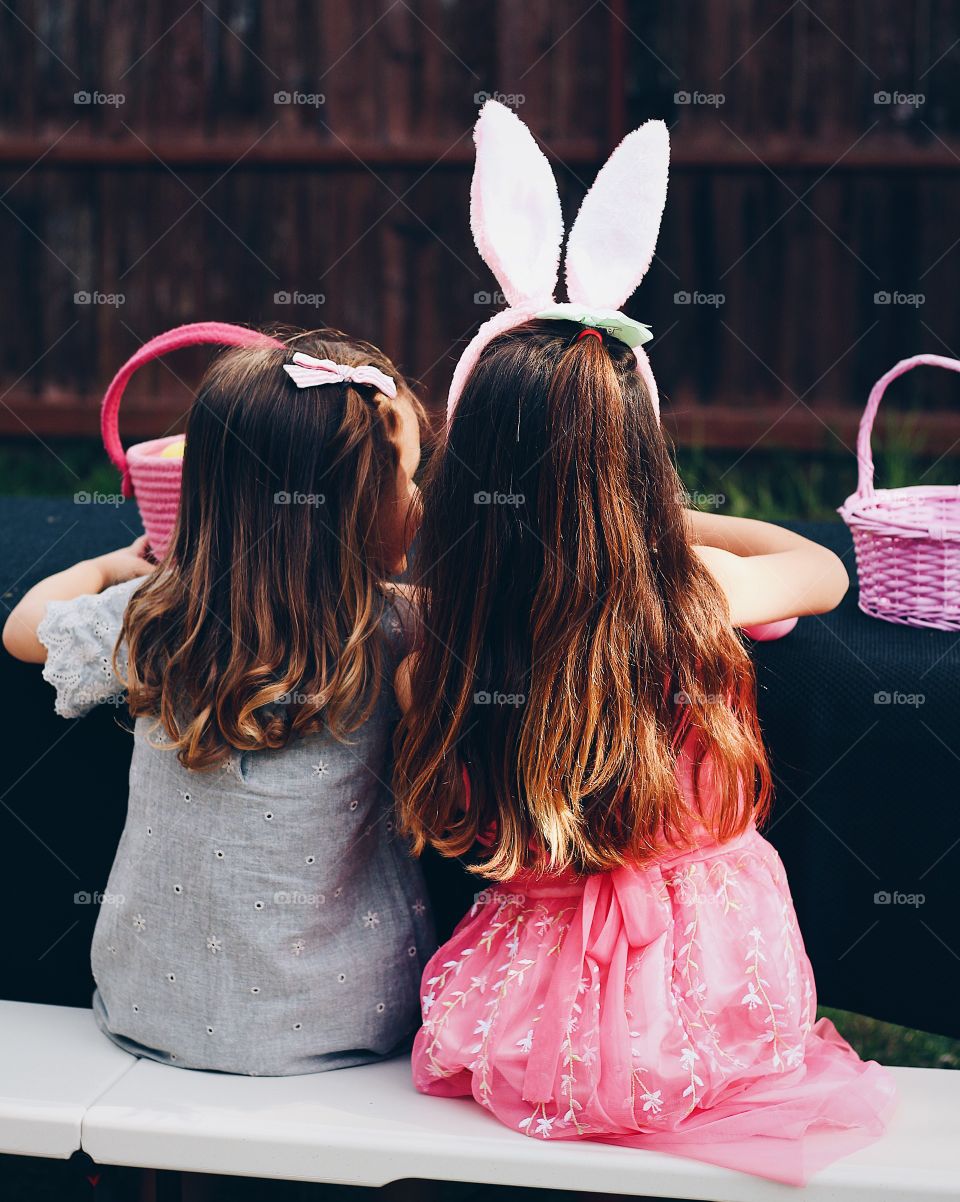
<point x="907" y="540"/>
<point x="153" y="480"/>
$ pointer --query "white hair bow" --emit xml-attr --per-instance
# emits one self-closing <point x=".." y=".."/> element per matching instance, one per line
<point x="308" y="372"/>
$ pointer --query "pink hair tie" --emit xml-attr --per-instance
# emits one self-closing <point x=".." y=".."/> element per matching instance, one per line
<point x="308" y="372"/>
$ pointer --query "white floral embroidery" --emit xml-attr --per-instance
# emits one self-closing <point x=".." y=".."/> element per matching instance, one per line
<point x="371" y="919"/>
<point x="695" y="886"/>
<point x="757" y="988"/>
<point x="213" y="944"/>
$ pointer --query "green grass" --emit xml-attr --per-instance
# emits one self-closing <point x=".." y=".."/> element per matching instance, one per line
<point x="773" y="484"/>
<point x="56" y="467"/>
<point x="781" y="485"/>
<point x="890" y="1044"/>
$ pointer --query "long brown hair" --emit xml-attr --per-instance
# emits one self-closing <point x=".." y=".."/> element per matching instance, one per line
<point x="263" y="622"/>
<point x="572" y="640"/>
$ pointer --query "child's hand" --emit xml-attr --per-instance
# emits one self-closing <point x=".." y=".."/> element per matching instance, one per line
<point x="125" y="564"/>
<point x="90" y="576"/>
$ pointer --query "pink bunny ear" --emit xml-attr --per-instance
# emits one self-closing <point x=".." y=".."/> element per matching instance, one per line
<point x="613" y="238"/>
<point x="515" y="208"/>
<point x="646" y="374"/>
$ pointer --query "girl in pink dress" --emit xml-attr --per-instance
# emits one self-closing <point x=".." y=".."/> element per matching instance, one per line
<point x="580" y="716"/>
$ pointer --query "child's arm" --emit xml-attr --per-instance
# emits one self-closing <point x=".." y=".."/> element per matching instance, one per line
<point x="768" y="573"/>
<point x="85" y="578"/>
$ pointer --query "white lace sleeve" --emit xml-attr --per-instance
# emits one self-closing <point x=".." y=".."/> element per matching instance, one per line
<point x="80" y="636"/>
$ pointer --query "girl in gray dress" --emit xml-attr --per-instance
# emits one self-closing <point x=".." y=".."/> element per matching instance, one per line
<point x="264" y="917"/>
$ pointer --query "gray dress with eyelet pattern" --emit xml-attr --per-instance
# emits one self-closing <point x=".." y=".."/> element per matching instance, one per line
<point x="262" y="918"/>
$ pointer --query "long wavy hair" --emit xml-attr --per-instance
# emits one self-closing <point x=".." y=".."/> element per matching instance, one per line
<point x="263" y="622"/>
<point x="571" y="638"/>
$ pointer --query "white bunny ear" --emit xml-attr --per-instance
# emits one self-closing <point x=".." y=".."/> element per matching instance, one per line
<point x="613" y="238"/>
<point x="515" y="208"/>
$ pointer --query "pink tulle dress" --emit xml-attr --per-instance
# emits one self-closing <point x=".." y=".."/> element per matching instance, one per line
<point x="670" y="1007"/>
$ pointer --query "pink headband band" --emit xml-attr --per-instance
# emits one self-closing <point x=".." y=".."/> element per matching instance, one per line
<point x="308" y="372"/>
<point x="194" y="334"/>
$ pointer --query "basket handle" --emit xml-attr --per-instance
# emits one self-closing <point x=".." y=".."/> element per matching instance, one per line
<point x="864" y="448"/>
<point x="193" y="334"/>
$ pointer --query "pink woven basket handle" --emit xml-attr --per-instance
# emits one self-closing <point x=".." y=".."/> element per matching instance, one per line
<point x="864" y="448"/>
<point x="197" y="332"/>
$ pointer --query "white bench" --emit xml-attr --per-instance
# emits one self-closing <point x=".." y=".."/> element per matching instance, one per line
<point x="64" y="1087"/>
<point x="54" y="1064"/>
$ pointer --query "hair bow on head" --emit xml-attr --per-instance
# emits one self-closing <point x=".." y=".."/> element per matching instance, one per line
<point x="308" y="372"/>
<point x="517" y="224"/>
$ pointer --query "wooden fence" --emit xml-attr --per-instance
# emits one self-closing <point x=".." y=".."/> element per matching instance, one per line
<point x="309" y="163"/>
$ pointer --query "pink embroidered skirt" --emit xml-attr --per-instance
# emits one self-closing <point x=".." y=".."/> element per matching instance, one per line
<point x="670" y="1007"/>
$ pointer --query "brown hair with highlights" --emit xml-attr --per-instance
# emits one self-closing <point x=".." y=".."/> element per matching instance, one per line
<point x="263" y="622"/>
<point x="572" y="640"/>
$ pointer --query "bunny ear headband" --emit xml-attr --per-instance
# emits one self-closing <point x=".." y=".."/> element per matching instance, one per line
<point x="518" y="228"/>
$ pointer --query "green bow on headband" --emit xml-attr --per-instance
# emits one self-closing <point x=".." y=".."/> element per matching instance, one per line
<point x="611" y="321"/>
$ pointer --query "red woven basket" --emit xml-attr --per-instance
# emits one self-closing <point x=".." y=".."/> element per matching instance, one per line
<point x="907" y="540"/>
<point x="153" y="480"/>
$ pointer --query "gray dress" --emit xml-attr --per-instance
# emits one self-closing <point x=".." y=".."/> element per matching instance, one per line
<point x="262" y="918"/>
